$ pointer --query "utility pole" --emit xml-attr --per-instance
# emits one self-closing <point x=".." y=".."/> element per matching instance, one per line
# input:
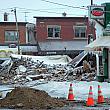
<point x="92" y="27"/>
<point x="26" y="16"/>
<point x="17" y="30"/>
<point x="91" y="2"/>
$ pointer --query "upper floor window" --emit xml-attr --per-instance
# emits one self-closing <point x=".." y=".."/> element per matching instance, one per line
<point x="10" y="36"/>
<point x="54" y="31"/>
<point x="80" y="31"/>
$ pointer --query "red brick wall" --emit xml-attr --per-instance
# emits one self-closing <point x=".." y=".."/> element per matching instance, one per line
<point x="67" y="32"/>
<point x="22" y="32"/>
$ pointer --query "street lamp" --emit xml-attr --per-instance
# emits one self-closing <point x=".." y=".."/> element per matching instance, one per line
<point x="17" y="30"/>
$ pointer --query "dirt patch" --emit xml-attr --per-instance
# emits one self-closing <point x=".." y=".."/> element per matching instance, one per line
<point x="28" y="98"/>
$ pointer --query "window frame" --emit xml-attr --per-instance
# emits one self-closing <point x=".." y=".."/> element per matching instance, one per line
<point x="54" y="26"/>
<point x="11" y="41"/>
<point x="80" y="33"/>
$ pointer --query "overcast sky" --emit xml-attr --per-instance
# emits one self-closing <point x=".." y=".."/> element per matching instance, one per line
<point x="27" y="9"/>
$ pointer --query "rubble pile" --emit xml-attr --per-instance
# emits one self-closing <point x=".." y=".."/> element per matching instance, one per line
<point x="25" y="69"/>
<point x="28" y="98"/>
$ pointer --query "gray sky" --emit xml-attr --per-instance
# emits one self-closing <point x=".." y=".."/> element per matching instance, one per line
<point x="26" y="9"/>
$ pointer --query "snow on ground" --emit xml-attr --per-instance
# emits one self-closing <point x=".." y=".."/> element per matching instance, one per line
<point x="80" y="89"/>
<point x="4" y="89"/>
<point x="61" y="89"/>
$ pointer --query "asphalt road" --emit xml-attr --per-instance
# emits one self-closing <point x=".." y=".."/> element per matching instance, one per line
<point x="82" y="108"/>
<point x="71" y="108"/>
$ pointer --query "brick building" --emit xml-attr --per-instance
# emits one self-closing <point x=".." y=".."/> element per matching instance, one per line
<point x="8" y="36"/>
<point x="50" y="35"/>
<point x="62" y="35"/>
<point x="8" y="32"/>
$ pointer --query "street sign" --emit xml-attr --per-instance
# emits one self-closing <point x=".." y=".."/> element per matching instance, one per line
<point x="96" y="12"/>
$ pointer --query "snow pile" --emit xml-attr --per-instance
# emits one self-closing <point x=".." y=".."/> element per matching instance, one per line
<point x="50" y="60"/>
<point x="80" y="89"/>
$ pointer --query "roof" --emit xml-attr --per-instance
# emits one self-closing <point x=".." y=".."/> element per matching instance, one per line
<point x="99" y="42"/>
<point x="60" y="17"/>
<point x="12" y="23"/>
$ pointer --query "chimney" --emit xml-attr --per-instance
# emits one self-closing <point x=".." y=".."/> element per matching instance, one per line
<point x="5" y="16"/>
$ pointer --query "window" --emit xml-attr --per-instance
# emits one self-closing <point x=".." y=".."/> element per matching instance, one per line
<point x="80" y="31"/>
<point x="54" y="31"/>
<point x="10" y="36"/>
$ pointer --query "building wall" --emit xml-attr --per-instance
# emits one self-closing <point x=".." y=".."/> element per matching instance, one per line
<point x="67" y="32"/>
<point x="10" y="26"/>
<point x="67" y="40"/>
<point x="30" y="33"/>
<point x="26" y="46"/>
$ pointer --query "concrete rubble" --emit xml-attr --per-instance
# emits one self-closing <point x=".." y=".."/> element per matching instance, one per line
<point x="20" y="71"/>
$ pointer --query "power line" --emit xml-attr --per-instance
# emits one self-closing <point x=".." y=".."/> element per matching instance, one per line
<point x="38" y="10"/>
<point x="83" y="7"/>
<point x="29" y="10"/>
<point x="64" y="5"/>
<point x="44" y="10"/>
<point x="26" y="9"/>
<point x="7" y="9"/>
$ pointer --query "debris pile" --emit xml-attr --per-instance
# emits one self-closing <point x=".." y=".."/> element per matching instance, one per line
<point x="25" y="69"/>
<point x="28" y="98"/>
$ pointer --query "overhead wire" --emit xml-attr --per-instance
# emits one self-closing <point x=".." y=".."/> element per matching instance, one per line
<point x="83" y="7"/>
<point x="45" y="10"/>
<point x="28" y="10"/>
<point x="64" y="5"/>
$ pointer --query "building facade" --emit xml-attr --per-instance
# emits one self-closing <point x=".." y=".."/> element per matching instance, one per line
<point x="62" y="35"/>
<point x="101" y="46"/>
<point x="26" y="35"/>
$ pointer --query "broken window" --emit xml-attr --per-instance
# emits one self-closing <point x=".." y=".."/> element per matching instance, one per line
<point x="54" y="31"/>
<point x="80" y="31"/>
